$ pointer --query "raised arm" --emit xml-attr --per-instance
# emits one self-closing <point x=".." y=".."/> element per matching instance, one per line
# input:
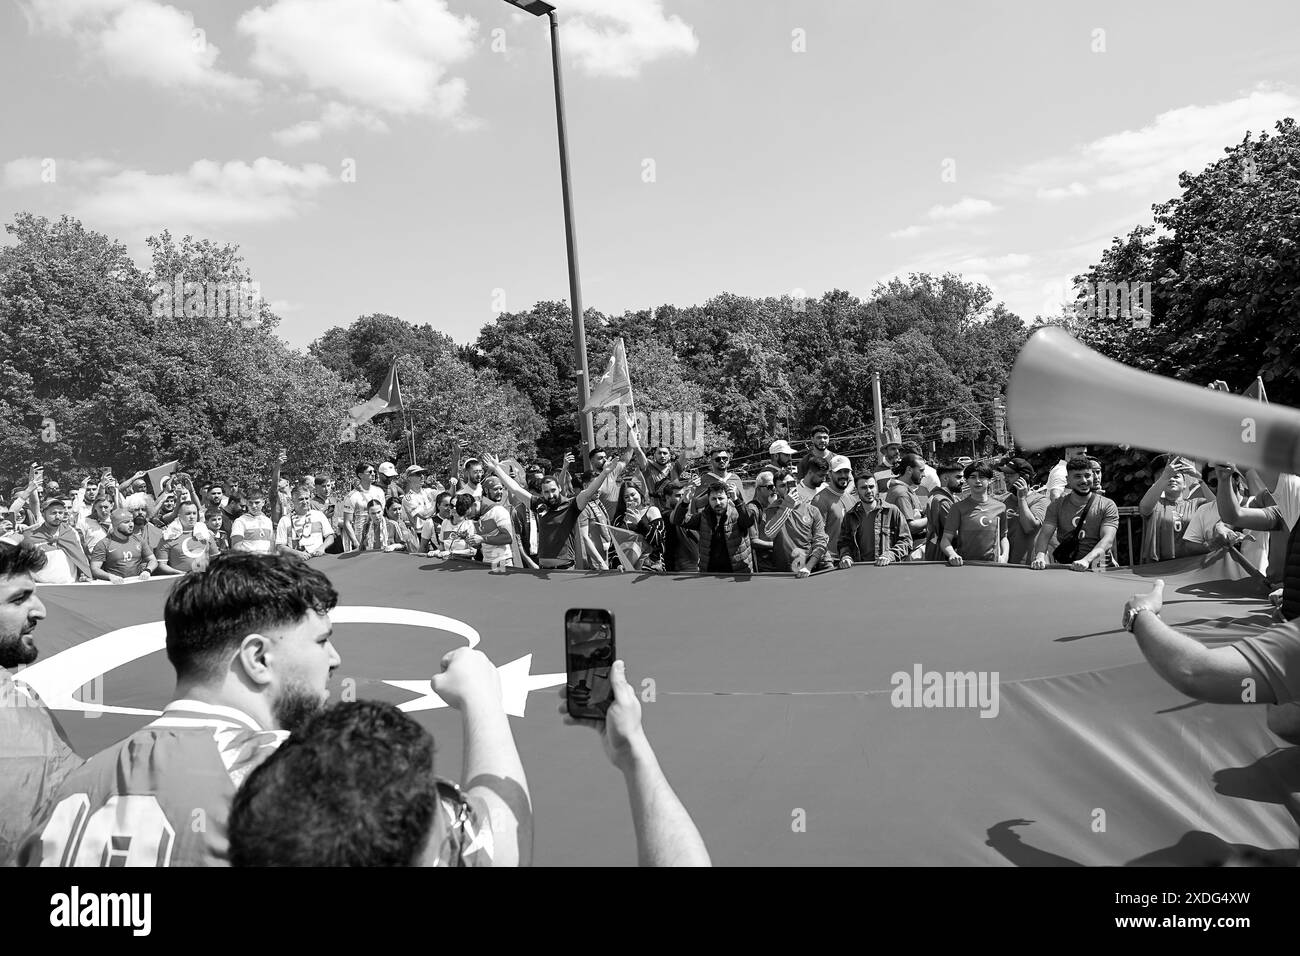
<point x="638" y="453"/>
<point x="493" y="464"/>
<point x="593" y="487"/>
<point x="1231" y="511"/>
<point x="493" y="771"/>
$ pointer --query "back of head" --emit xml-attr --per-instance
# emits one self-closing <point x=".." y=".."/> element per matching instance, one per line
<point x="908" y="460"/>
<point x="19" y="557"/>
<point x="209" y="612"/>
<point x="353" y="787"/>
<point x="810" y="463"/>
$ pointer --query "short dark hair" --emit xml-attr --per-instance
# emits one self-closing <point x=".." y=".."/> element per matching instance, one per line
<point x="719" y="486"/>
<point x="463" y="504"/>
<point x="812" y="463"/>
<point x="21" y="558"/>
<point x="1078" y="463"/>
<point x="353" y="787"/>
<point x="947" y="467"/>
<point x="910" y="447"/>
<point x="209" y="612"/>
<point x="597" y="451"/>
<point x="909" y="460"/>
<point x="819" y="430"/>
<point x="321" y="481"/>
<point x="362" y="468"/>
<point x="983" y="469"/>
<point x="441" y="497"/>
<point x="671" y="488"/>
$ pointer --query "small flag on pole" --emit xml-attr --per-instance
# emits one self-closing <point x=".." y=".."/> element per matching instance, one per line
<point x="1256" y="390"/>
<point x="615" y="386"/>
<point x="388" y="399"/>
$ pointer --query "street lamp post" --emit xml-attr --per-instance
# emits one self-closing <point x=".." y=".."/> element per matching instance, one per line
<point x="539" y="8"/>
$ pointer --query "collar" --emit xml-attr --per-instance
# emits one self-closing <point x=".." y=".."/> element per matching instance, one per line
<point x="193" y="713"/>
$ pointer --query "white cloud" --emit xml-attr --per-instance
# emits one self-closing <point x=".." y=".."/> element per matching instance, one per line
<point x="1063" y="192"/>
<point x="336" y="117"/>
<point x="205" y="195"/>
<point x="1012" y="260"/>
<point x="1149" y="159"/>
<point x="141" y="39"/>
<point x="911" y="232"/>
<point x="966" y="208"/>
<point x="378" y="56"/>
<point x="28" y="171"/>
<point x="619" y="37"/>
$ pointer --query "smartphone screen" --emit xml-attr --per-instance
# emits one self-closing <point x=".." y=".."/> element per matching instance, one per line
<point x="589" y="658"/>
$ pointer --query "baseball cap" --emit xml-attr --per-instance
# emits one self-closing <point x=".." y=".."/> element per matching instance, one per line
<point x="780" y="447"/>
<point x="414" y="470"/>
<point x="839" y="461"/>
<point x="388" y="469"/>
<point x="49" y="503"/>
<point x="1021" y="467"/>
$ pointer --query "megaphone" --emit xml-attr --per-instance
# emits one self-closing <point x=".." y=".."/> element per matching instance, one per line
<point x="1063" y="393"/>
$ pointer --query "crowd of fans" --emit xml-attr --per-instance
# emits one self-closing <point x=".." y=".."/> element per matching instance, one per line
<point x="283" y="779"/>
<point x="651" y="511"/>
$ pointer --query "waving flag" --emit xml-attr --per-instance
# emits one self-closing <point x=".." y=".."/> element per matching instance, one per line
<point x="615" y="386"/>
<point x="388" y="399"/>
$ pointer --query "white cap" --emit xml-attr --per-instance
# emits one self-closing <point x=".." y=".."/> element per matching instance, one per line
<point x="838" y="462"/>
<point x="388" y="469"/>
<point x="780" y="447"/>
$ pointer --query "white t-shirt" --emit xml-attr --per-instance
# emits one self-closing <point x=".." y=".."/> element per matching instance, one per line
<point x="359" y="500"/>
<point x="306" y="533"/>
<point x="1200" y="530"/>
<point x="494" y="519"/>
<point x="257" y="532"/>
<point x="929" y="480"/>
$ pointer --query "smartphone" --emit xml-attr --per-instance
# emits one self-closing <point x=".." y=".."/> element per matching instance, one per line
<point x="589" y="658"/>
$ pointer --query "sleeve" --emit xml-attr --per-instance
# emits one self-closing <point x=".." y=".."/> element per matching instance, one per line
<point x="1109" y="516"/>
<point x="100" y="551"/>
<point x="1052" y="516"/>
<point x="1275" y="654"/>
<point x="282" y="531"/>
<point x="847" y="545"/>
<point x="952" y="521"/>
<point x="1199" y="528"/>
<point x="818" y="556"/>
<point x="161" y="548"/>
<point x="904" y="532"/>
<point x="1287" y="498"/>
<point x="1039" y="508"/>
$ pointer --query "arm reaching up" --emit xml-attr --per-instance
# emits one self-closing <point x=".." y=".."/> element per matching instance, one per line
<point x="665" y="833"/>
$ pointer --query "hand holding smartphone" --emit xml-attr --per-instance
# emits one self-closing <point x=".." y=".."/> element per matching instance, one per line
<point x="589" y="657"/>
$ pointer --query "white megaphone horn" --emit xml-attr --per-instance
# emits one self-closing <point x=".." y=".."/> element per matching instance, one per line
<point x="1063" y="393"/>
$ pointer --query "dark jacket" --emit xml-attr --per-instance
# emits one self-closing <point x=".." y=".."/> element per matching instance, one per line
<point x="868" y="531"/>
<point x="734" y="527"/>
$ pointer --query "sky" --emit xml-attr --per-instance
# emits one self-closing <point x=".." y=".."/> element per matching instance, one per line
<point x="400" y="156"/>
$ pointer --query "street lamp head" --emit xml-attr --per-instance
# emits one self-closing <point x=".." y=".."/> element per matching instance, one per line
<point x="537" y="8"/>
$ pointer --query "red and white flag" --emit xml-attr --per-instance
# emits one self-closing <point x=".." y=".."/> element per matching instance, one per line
<point x="615" y="386"/>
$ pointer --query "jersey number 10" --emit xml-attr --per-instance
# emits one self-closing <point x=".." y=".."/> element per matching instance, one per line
<point x="125" y="831"/>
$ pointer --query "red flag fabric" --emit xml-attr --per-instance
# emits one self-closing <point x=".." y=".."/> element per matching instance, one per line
<point x="615" y="386"/>
<point x="854" y="722"/>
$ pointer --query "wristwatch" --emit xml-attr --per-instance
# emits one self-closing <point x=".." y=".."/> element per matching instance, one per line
<point x="1131" y="615"/>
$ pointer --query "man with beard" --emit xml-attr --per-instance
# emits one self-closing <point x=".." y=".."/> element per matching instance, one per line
<point x="186" y="545"/>
<point x="681" y="545"/>
<point x="34" y="754"/>
<point x="819" y="446"/>
<point x="142" y="517"/>
<point x="249" y="638"/>
<point x="557" y="518"/>
<point x="873" y="530"/>
<point x="834" y="500"/>
<point x="494" y="527"/>
<point x="796" y="530"/>
<point x="122" y="555"/>
<point x="901" y="493"/>
<point x="1091" y="517"/>
<point x="781" y="456"/>
<point x="724" y="531"/>
<point x="938" y="504"/>
<point x="66" y="560"/>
